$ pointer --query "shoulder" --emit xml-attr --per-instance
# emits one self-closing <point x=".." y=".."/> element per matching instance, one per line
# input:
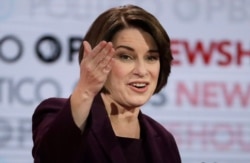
<point x="49" y="108"/>
<point x="52" y="102"/>
<point x="155" y="127"/>
<point x="153" y="122"/>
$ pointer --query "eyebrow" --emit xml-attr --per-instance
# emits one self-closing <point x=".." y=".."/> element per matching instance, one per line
<point x="131" y="49"/>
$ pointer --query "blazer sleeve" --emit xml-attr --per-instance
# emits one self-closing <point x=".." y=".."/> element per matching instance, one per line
<point x="56" y="138"/>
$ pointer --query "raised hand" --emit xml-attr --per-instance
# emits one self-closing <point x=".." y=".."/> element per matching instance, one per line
<point x="95" y="66"/>
<point x="94" y="69"/>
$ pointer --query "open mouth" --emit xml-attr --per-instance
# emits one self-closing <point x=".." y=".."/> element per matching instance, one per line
<point x="139" y="85"/>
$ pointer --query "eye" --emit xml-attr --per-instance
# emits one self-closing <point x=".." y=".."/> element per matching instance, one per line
<point x="152" y="57"/>
<point x="125" y="57"/>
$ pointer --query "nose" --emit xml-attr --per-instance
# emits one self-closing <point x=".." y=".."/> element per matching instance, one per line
<point x="140" y="69"/>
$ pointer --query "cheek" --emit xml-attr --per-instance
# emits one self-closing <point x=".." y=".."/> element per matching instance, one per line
<point x="118" y="72"/>
<point x="156" y="71"/>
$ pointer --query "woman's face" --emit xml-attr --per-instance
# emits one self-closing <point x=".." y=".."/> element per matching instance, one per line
<point x="135" y="69"/>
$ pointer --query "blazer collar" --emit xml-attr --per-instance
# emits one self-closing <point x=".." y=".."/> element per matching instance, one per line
<point x="101" y="126"/>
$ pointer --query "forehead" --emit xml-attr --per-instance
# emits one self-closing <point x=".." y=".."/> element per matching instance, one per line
<point x="134" y="37"/>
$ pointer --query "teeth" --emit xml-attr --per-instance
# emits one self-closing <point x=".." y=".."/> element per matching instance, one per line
<point x="139" y="84"/>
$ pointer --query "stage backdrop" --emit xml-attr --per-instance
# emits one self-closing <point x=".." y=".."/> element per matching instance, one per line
<point x="206" y="104"/>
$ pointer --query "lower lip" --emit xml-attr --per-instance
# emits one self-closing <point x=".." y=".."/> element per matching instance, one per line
<point x="139" y="90"/>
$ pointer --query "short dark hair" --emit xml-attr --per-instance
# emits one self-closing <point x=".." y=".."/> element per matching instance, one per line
<point x="115" y="19"/>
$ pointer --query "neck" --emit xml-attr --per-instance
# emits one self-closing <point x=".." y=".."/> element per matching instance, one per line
<point x="120" y="112"/>
<point x="124" y="120"/>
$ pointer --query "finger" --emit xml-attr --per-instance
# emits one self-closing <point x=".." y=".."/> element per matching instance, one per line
<point x="96" y="51"/>
<point x="87" y="48"/>
<point x="108" y="57"/>
<point x="108" y="67"/>
<point x="104" y="55"/>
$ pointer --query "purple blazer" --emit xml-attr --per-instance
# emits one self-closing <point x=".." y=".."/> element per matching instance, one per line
<point x="58" y="140"/>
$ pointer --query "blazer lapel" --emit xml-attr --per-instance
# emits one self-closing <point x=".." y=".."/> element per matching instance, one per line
<point x="104" y="133"/>
<point x="152" y="140"/>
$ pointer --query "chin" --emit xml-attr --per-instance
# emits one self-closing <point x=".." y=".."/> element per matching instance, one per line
<point x="139" y="102"/>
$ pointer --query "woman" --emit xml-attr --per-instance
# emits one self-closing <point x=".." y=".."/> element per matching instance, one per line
<point x="125" y="58"/>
